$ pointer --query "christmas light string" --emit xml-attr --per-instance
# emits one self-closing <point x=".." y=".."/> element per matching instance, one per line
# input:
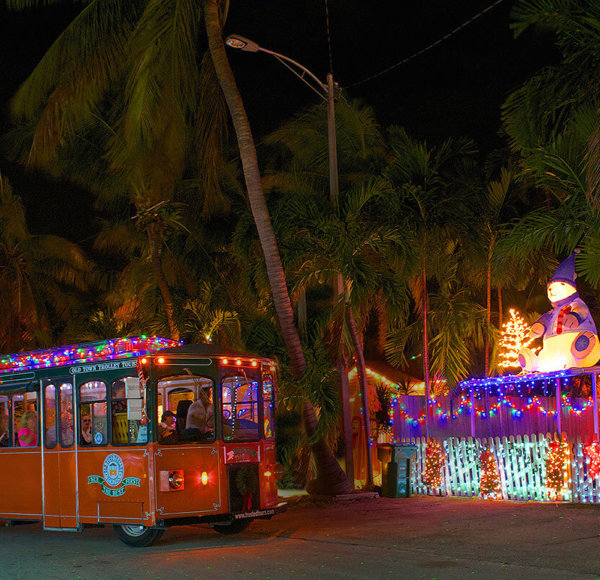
<point x="465" y="406"/>
<point x="110" y="349"/>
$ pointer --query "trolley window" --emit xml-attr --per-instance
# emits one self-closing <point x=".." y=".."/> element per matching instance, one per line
<point x="58" y="413"/>
<point x="67" y="421"/>
<point x="50" y="415"/>
<point x="92" y="413"/>
<point x="240" y="405"/>
<point x="5" y="435"/>
<point x="128" y="409"/>
<point x="191" y="399"/>
<point x="25" y="418"/>
<point x="268" y="388"/>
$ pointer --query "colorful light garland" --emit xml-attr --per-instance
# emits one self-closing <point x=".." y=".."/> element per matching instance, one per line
<point x="465" y="406"/>
<point x="503" y="383"/>
<point x="110" y="349"/>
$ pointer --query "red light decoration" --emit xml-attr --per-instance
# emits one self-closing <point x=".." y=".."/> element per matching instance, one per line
<point x="489" y="485"/>
<point x="592" y="452"/>
<point x="114" y="348"/>
<point x="434" y="462"/>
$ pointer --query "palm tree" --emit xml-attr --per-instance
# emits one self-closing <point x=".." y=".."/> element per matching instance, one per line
<point x="348" y="241"/>
<point x="37" y="277"/>
<point x="553" y="123"/>
<point x="538" y="112"/>
<point x="214" y="14"/>
<point x="298" y="169"/>
<point x="114" y="105"/>
<point x="568" y="217"/>
<point x="424" y="203"/>
<point x="144" y="57"/>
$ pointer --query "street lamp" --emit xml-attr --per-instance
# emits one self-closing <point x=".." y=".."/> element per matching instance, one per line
<point x="325" y="90"/>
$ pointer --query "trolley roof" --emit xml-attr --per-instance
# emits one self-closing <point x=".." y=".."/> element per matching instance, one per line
<point x="110" y="349"/>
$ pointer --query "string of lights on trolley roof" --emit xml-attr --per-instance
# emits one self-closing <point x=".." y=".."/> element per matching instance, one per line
<point x="103" y="350"/>
<point x="110" y="349"/>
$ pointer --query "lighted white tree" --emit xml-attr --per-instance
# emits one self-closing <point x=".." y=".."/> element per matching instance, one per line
<point x="514" y="337"/>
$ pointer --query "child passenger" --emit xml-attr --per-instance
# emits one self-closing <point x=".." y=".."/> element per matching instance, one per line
<point x="166" y="427"/>
<point x="28" y="433"/>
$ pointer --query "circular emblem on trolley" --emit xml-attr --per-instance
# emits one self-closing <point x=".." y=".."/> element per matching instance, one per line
<point x="98" y="438"/>
<point x="113" y="470"/>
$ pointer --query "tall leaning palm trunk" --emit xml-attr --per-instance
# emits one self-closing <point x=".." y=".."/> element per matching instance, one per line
<point x="361" y="372"/>
<point x="425" y="349"/>
<point x="488" y="305"/>
<point x="331" y="479"/>
<point x="154" y="242"/>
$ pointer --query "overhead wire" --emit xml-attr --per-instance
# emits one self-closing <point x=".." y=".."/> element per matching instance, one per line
<point x="328" y="37"/>
<point x="427" y="48"/>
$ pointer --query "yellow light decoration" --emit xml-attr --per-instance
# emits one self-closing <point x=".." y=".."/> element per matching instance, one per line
<point x="434" y="462"/>
<point x="514" y="337"/>
<point x="557" y="469"/>
<point x="490" y="486"/>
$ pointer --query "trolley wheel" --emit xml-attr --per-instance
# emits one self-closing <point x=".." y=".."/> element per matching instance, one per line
<point x="137" y="536"/>
<point x="233" y="527"/>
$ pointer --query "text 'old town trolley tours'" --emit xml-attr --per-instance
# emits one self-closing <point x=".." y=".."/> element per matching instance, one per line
<point x="141" y="433"/>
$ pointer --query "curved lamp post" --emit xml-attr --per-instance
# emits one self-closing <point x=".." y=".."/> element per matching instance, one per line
<point x="327" y="92"/>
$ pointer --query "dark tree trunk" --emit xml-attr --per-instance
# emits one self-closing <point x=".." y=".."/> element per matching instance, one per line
<point x="488" y="317"/>
<point x="162" y="285"/>
<point x="361" y="371"/>
<point x="425" y="352"/>
<point x="330" y="478"/>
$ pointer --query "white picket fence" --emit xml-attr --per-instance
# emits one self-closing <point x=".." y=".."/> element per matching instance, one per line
<point x="521" y="464"/>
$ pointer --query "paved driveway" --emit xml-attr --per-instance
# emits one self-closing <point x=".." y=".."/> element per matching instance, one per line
<point x="419" y="537"/>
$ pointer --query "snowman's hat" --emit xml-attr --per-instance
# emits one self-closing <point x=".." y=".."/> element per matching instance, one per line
<point x="566" y="271"/>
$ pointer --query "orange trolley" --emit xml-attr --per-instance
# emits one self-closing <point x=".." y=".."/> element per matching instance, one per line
<point x="140" y="433"/>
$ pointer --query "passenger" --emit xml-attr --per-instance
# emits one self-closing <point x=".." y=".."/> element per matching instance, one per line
<point x="4" y="440"/>
<point x="199" y="421"/>
<point x="86" y="430"/>
<point x="166" y="427"/>
<point x="28" y="433"/>
<point x="51" y="436"/>
<point x="182" y="410"/>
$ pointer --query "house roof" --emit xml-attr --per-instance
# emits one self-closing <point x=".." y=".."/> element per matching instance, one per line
<point x="381" y="371"/>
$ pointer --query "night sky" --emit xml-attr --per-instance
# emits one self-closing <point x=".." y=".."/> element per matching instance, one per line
<point x="454" y="89"/>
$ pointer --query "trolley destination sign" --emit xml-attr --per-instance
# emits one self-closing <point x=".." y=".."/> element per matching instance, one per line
<point x="107" y="366"/>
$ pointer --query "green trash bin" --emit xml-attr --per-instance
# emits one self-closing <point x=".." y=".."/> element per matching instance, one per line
<point x="396" y="468"/>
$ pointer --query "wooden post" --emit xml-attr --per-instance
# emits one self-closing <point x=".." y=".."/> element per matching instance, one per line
<point x="558" y="408"/>
<point x="595" y="398"/>
<point x="472" y="392"/>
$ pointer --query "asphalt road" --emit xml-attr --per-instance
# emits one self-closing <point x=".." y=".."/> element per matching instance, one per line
<point x="418" y="537"/>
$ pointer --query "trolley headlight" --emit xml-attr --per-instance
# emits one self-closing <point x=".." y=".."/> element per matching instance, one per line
<point x="176" y="479"/>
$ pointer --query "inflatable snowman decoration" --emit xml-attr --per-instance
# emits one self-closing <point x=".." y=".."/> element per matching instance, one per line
<point x="569" y="334"/>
